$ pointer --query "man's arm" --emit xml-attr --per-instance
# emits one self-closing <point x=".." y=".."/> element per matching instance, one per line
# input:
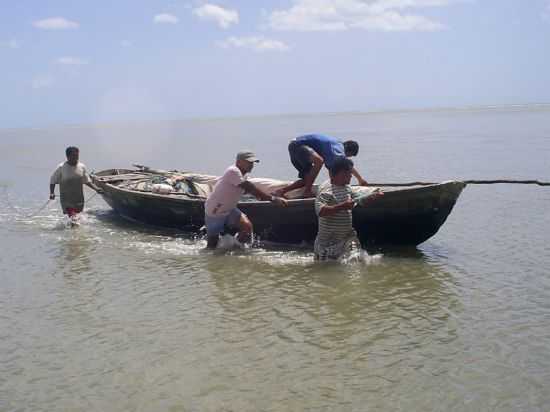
<point x="94" y="187"/>
<point x="360" y="180"/>
<point x="55" y="179"/>
<point x="88" y="181"/>
<point x="52" y="191"/>
<point x="260" y="194"/>
<point x="328" y="210"/>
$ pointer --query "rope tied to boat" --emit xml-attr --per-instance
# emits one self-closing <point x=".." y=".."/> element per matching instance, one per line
<point x="468" y="182"/>
<point x="12" y="207"/>
<point x="37" y="211"/>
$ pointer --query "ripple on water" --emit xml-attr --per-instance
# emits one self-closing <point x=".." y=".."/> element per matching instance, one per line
<point x="138" y="313"/>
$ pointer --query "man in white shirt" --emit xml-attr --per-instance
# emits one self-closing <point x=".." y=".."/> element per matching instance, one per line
<point x="70" y="176"/>
<point x="221" y="205"/>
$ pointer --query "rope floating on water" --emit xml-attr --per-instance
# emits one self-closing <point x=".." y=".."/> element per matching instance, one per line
<point x="468" y="182"/>
<point x="90" y="198"/>
<point x="26" y="216"/>
<point x="40" y="209"/>
<point x="521" y="182"/>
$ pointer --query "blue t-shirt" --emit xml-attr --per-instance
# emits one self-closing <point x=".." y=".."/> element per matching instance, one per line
<point x="329" y="148"/>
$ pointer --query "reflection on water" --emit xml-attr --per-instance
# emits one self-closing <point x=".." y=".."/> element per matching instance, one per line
<point x="350" y="291"/>
<point x="74" y="251"/>
<point x="363" y="322"/>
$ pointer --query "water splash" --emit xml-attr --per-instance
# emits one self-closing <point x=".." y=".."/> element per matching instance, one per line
<point x="359" y="256"/>
<point x="162" y="242"/>
<point x="229" y="242"/>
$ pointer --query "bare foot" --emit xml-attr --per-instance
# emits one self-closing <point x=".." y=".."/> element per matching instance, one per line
<point x="279" y="193"/>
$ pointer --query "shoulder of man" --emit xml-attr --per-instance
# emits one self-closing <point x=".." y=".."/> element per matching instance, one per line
<point x="60" y="167"/>
<point x="233" y="175"/>
<point x="233" y="170"/>
<point x="308" y="138"/>
<point x="55" y="178"/>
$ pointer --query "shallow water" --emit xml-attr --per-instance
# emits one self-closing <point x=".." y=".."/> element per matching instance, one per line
<point x="113" y="315"/>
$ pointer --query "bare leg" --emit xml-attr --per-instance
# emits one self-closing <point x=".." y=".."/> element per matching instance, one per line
<point x="310" y="178"/>
<point x="212" y="242"/>
<point x="307" y="181"/>
<point x="245" y="229"/>
<point x="295" y="185"/>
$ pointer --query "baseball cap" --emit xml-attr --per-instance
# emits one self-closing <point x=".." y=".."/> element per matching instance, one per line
<point x="248" y="156"/>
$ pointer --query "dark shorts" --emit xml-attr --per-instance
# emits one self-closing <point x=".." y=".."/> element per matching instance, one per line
<point x="300" y="156"/>
<point x="72" y="211"/>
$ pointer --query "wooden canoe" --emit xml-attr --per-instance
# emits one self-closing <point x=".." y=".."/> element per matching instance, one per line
<point x="403" y="216"/>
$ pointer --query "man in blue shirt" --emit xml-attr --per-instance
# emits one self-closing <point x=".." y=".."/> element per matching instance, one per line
<point x="308" y="154"/>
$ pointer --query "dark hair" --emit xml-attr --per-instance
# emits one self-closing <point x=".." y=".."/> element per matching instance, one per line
<point x="351" y="147"/>
<point x="340" y="164"/>
<point x="70" y="149"/>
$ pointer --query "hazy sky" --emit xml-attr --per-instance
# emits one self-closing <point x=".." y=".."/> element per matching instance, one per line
<point x="66" y="61"/>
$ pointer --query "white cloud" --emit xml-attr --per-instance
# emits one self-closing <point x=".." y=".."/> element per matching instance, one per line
<point x="256" y="43"/>
<point x="334" y="15"/>
<point x="71" y="61"/>
<point x="55" y="23"/>
<point x="42" y="81"/>
<point x="165" y="18"/>
<point x="223" y="17"/>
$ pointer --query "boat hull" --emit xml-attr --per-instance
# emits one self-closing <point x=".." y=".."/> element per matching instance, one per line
<point x="401" y="217"/>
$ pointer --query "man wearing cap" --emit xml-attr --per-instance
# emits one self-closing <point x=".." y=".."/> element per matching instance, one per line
<point x="308" y="154"/>
<point x="221" y="205"/>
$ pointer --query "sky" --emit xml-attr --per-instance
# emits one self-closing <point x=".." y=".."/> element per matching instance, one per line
<point x="74" y="62"/>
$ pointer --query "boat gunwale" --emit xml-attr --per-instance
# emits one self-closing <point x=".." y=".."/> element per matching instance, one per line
<point x="184" y="197"/>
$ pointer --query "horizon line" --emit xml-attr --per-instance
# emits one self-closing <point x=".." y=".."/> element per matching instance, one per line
<point x="466" y="108"/>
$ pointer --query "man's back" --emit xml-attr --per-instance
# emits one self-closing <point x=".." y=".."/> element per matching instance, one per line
<point x="329" y="148"/>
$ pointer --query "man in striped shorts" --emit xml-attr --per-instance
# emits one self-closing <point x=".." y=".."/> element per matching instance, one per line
<point x="333" y="205"/>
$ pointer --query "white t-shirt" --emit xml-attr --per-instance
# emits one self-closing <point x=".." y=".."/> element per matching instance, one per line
<point x="226" y="193"/>
<point x="70" y="180"/>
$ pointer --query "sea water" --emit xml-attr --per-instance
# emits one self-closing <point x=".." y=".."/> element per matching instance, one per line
<point x="115" y="315"/>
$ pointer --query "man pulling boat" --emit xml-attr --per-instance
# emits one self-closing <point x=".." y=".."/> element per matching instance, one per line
<point x="71" y="176"/>
<point x="221" y="205"/>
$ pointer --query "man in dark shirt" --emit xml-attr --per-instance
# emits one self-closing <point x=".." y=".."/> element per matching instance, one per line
<point x="308" y="154"/>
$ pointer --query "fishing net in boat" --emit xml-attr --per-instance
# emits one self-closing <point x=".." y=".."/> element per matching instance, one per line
<point x="165" y="185"/>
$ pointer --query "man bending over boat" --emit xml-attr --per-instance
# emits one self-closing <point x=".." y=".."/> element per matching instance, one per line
<point x="308" y="154"/>
<point x="70" y="176"/>
<point x="221" y="205"/>
<point x="333" y="206"/>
